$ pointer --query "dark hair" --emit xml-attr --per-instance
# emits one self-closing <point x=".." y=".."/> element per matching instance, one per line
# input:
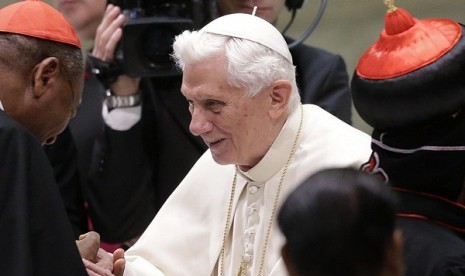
<point x="339" y="222"/>
<point x="21" y="53"/>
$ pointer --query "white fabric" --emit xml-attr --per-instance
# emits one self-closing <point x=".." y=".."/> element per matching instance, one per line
<point x="121" y="118"/>
<point x="185" y="238"/>
<point x="252" y="28"/>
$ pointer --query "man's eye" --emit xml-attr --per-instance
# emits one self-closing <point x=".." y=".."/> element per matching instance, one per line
<point x="214" y="106"/>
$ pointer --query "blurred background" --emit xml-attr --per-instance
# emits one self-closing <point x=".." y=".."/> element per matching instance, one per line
<point x="349" y="27"/>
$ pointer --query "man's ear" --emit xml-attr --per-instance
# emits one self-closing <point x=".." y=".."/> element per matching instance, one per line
<point x="44" y="74"/>
<point x="280" y="94"/>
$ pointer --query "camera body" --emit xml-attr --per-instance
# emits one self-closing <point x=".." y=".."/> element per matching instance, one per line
<point x="146" y="46"/>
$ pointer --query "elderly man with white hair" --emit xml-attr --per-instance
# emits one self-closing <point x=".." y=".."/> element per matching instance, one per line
<point x="239" y="80"/>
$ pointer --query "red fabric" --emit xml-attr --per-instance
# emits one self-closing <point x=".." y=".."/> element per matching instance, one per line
<point x="407" y="44"/>
<point x="37" y="19"/>
<point x="398" y="21"/>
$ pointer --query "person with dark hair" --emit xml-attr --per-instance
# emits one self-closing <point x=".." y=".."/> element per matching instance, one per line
<point x="341" y="222"/>
<point x="41" y="73"/>
<point x="410" y="87"/>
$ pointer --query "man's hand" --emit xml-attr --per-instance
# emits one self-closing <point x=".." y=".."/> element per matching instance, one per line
<point x="88" y="245"/>
<point x="104" y="263"/>
<point x="109" y="33"/>
<point x="95" y="270"/>
<point x="96" y="260"/>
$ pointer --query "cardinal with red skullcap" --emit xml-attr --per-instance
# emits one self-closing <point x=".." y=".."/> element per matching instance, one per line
<point x="410" y="87"/>
<point x="41" y="75"/>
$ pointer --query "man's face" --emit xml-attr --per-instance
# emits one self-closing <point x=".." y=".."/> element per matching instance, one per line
<point x="266" y="9"/>
<point x="83" y="15"/>
<point x="235" y="128"/>
<point x="60" y="105"/>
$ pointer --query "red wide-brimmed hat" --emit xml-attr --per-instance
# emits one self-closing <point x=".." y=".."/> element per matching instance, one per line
<point x="37" y="19"/>
<point x="413" y="74"/>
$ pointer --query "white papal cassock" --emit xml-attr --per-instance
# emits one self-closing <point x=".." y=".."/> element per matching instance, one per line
<point x="186" y="236"/>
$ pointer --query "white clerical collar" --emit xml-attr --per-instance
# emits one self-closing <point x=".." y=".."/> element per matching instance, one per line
<point x="276" y="157"/>
<point x="1" y="106"/>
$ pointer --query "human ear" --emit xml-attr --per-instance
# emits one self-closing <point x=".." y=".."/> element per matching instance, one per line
<point x="44" y="74"/>
<point x="280" y="94"/>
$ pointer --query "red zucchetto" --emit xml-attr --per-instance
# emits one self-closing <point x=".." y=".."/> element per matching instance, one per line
<point x="37" y="19"/>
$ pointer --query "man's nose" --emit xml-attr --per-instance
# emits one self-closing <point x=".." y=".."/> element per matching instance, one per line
<point x="199" y="122"/>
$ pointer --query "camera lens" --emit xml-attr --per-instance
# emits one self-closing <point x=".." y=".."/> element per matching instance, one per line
<point x="156" y="46"/>
<point x="148" y="34"/>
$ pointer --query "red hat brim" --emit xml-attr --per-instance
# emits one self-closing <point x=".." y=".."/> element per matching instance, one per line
<point x="402" y="49"/>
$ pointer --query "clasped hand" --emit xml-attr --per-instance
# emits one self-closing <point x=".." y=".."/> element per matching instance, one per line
<point x="96" y="260"/>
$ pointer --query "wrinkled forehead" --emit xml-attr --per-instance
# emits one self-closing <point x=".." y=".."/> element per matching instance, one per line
<point x="210" y="74"/>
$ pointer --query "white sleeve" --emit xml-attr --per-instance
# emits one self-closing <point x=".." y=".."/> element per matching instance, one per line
<point x="185" y="237"/>
<point x="121" y="118"/>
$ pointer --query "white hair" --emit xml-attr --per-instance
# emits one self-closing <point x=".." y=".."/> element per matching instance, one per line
<point x="250" y="65"/>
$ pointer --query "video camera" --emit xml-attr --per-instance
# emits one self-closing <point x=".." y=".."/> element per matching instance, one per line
<point x="149" y="31"/>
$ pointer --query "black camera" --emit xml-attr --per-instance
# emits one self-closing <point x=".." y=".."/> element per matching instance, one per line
<point x="151" y="25"/>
